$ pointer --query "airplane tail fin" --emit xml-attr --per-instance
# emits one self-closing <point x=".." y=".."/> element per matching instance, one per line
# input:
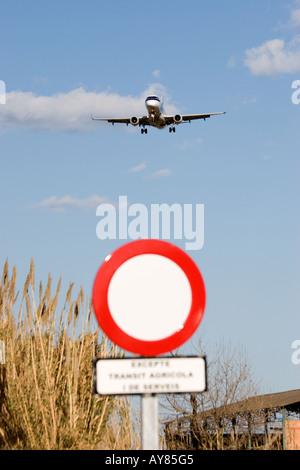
<point x="162" y="104"/>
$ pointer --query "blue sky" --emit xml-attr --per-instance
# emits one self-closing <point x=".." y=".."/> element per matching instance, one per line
<point x="62" y="61"/>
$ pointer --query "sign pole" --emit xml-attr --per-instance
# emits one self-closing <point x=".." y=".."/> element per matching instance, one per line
<point x="150" y="427"/>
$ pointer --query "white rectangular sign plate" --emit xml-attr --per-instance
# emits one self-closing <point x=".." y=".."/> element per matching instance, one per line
<point x="139" y="376"/>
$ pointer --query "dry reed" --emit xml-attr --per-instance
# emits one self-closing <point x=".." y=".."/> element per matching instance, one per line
<point x="46" y="385"/>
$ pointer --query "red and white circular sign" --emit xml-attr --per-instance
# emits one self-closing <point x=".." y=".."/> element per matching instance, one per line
<point x="149" y="297"/>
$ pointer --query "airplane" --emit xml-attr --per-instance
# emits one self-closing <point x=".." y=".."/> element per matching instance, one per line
<point x="156" y="117"/>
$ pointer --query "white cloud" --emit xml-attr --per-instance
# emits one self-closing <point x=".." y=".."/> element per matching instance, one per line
<point x="156" y="73"/>
<point x="189" y="144"/>
<point x="231" y="64"/>
<point x="138" y="168"/>
<point x="277" y="56"/>
<point x="274" y="57"/>
<point x="71" y="111"/>
<point x="160" y="174"/>
<point x="60" y="204"/>
<point x="295" y="18"/>
<point x="250" y="101"/>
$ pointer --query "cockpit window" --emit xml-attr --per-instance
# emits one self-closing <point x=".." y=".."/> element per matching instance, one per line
<point x="152" y="98"/>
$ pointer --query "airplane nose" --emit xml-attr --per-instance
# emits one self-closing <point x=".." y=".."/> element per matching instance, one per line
<point x="152" y="105"/>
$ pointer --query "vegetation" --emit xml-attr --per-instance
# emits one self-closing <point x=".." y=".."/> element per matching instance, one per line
<point x="213" y="420"/>
<point x="46" y="383"/>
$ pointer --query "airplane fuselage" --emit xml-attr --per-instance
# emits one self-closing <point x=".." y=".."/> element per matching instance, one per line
<point x="154" y="108"/>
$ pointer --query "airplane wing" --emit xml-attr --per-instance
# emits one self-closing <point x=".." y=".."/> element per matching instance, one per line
<point x="189" y="117"/>
<point x="139" y="120"/>
<point x="113" y="120"/>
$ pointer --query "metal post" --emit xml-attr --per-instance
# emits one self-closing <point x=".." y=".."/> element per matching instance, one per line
<point x="284" y="428"/>
<point x="150" y="428"/>
<point x="249" y="431"/>
<point x="266" y="426"/>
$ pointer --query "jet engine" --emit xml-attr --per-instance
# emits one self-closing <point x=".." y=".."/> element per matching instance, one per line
<point x="134" y="121"/>
<point x="177" y="118"/>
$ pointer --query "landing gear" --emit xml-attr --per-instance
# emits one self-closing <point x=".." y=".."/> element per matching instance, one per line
<point x="172" y="129"/>
<point x="144" y="130"/>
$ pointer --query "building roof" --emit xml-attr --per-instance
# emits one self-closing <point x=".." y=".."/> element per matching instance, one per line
<point x="289" y="400"/>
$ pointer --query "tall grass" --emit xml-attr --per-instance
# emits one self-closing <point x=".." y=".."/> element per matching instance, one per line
<point x="46" y="385"/>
